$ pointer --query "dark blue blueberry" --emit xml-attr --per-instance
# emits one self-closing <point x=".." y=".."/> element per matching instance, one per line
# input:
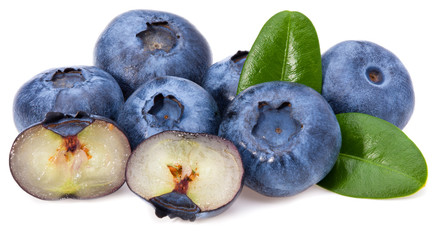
<point x="141" y="44"/>
<point x="221" y="80"/>
<point x="360" y="76"/>
<point x="287" y="134"/>
<point x="168" y="103"/>
<point x="67" y="90"/>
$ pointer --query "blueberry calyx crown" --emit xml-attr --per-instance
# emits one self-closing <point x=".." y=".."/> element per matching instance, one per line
<point x="239" y="56"/>
<point x="65" y="124"/>
<point x="67" y="78"/>
<point x="275" y="125"/>
<point x="167" y="110"/>
<point x="158" y="36"/>
<point x="374" y="75"/>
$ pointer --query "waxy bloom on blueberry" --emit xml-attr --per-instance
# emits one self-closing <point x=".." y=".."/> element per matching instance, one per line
<point x="67" y="90"/>
<point x="361" y="76"/>
<point x="141" y="44"/>
<point x="287" y="134"/>
<point x="221" y="80"/>
<point x="168" y="103"/>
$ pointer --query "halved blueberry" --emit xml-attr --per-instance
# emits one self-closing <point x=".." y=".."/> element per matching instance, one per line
<point x="68" y="156"/>
<point x="186" y="175"/>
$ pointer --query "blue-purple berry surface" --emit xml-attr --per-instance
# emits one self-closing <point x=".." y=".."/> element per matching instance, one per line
<point x="67" y="90"/>
<point x="287" y="134"/>
<point x="361" y="76"/>
<point x="221" y="80"/>
<point x="168" y="103"/>
<point x="141" y="44"/>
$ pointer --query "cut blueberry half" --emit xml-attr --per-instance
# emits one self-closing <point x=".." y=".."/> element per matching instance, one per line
<point x="67" y="156"/>
<point x="186" y="175"/>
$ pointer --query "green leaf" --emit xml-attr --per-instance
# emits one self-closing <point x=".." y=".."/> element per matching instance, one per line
<point x="286" y="49"/>
<point x="377" y="160"/>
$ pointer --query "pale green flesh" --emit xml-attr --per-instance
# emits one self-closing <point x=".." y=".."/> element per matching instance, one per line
<point x="42" y="166"/>
<point x="218" y="172"/>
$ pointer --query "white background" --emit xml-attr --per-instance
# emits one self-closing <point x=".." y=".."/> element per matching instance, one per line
<point x="38" y="35"/>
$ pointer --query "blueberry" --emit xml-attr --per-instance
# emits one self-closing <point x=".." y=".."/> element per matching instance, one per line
<point x="221" y="79"/>
<point x="81" y="156"/>
<point x="287" y="134"/>
<point x="67" y="90"/>
<point x="361" y="76"/>
<point x="186" y="175"/>
<point x="168" y="103"/>
<point x="141" y="44"/>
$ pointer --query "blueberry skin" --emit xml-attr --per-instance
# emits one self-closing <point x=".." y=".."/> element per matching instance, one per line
<point x="222" y="78"/>
<point x="168" y="103"/>
<point x="287" y="135"/>
<point x="182" y="206"/>
<point x="141" y="44"/>
<point x="361" y="76"/>
<point x="67" y="90"/>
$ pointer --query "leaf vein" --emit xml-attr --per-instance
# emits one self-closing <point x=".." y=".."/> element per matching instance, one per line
<point x="284" y="60"/>
<point x="381" y="166"/>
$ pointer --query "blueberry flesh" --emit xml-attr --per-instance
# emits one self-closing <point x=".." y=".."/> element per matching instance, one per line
<point x="186" y="175"/>
<point x="221" y="79"/>
<point x="361" y="76"/>
<point x="141" y="44"/>
<point x="287" y="135"/>
<point x="67" y="90"/>
<point x="81" y="156"/>
<point x="168" y="103"/>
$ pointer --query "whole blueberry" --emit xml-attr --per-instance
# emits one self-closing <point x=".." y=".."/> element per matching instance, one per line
<point x="361" y="76"/>
<point x="168" y="103"/>
<point x="140" y="44"/>
<point x="221" y="79"/>
<point x="287" y="134"/>
<point x="67" y="90"/>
